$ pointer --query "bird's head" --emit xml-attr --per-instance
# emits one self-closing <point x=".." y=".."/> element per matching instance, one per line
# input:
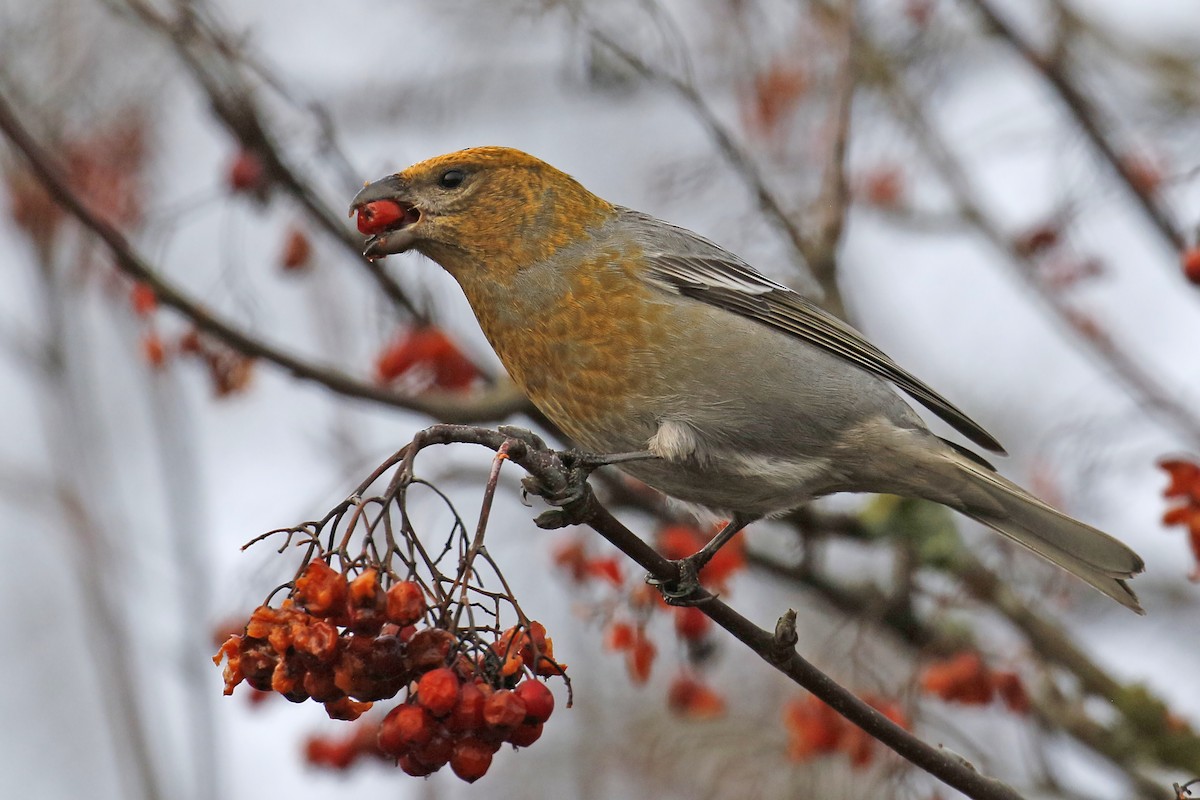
<point x="493" y="209"/>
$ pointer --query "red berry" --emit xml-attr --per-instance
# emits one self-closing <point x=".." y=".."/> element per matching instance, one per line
<point x="153" y="350"/>
<point x="468" y="714"/>
<point x="538" y="699"/>
<point x="374" y="217"/>
<point x="437" y="690"/>
<point x="504" y="709"/>
<point x="296" y="250"/>
<point x="405" y="603"/>
<point x="143" y="299"/>
<point x="405" y="728"/>
<point x="471" y="759"/>
<point x="1190" y="260"/>
<point x="691" y="623"/>
<point x="246" y="173"/>
<point x="413" y="767"/>
<point x="525" y="734"/>
<point x="436" y="752"/>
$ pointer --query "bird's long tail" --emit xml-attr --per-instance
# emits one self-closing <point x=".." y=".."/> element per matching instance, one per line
<point x="1090" y="554"/>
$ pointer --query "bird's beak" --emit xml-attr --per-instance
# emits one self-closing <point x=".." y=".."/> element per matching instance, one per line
<point x="395" y="236"/>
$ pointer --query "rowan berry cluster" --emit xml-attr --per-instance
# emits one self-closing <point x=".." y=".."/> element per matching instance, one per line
<point x="347" y="642"/>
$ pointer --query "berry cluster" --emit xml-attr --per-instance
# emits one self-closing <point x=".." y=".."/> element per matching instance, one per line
<point x="462" y="720"/>
<point x="347" y="643"/>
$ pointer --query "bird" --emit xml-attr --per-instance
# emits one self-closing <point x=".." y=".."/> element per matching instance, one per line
<point x="634" y="335"/>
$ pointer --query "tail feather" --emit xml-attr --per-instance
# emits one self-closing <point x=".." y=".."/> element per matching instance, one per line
<point x="1090" y="554"/>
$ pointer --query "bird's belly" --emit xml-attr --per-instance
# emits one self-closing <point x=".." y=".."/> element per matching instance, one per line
<point x="752" y="484"/>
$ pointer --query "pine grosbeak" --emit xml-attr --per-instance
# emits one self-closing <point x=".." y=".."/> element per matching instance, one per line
<point x="632" y="334"/>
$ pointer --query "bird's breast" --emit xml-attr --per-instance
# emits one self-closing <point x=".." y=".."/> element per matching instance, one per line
<point x="584" y="343"/>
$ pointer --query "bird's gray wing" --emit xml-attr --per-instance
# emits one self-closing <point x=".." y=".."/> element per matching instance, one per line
<point x="694" y="267"/>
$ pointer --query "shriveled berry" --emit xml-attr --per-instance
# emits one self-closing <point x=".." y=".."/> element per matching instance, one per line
<point x="321" y="590"/>
<point x="405" y="603"/>
<point x="386" y="659"/>
<point x="405" y="728"/>
<point x="504" y="709"/>
<point x="366" y="602"/>
<point x="374" y="217"/>
<point x="437" y="690"/>
<point x="428" y="648"/>
<point x="538" y="699"/>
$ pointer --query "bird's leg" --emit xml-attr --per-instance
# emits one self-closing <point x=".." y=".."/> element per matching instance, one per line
<point x="677" y="591"/>
<point x="579" y="466"/>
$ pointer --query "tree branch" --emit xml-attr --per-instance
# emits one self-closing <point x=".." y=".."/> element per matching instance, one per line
<point x="1088" y="120"/>
<point x="500" y="401"/>
<point x="776" y="648"/>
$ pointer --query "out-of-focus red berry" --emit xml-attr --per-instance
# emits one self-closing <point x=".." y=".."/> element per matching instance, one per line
<point x="692" y="699"/>
<point x="153" y="350"/>
<point x="691" y="623"/>
<point x="1190" y="261"/>
<point x="619" y="636"/>
<point x="297" y="250"/>
<point x="1012" y="692"/>
<point x="437" y="690"/>
<point x="405" y="603"/>
<point x="813" y="728"/>
<point x="640" y="658"/>
<point x="247" y="174"/>
<point x="538" y="700"/>
<point x="963" y="678"/>
<point x="142" y="299"/>
<point x="607" y="568"/>
<point x="429" y="348"/>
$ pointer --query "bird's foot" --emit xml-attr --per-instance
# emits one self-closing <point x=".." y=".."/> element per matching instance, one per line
<point x="573" y="495"/>
<point x="685" y="589"/>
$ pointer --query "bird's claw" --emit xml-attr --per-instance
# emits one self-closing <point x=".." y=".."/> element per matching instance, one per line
<point x="684" y="589"/>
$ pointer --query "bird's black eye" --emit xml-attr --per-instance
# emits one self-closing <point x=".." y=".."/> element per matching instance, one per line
<point x="451" y="178"/>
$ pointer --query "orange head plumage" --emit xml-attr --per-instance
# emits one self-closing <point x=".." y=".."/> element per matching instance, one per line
<point x="490" y="210"/>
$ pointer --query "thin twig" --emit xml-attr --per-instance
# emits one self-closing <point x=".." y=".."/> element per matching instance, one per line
<point x="1088" y="120"/>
